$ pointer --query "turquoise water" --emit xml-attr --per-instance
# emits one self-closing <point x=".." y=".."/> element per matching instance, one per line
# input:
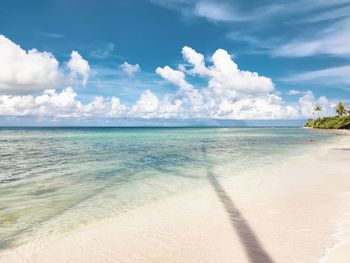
<point x="54" y="180"/>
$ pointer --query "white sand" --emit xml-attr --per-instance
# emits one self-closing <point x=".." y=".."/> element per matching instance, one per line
<point x="288" y="214"/>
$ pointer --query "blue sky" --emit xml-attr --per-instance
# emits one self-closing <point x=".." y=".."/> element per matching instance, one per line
<point x="302" y="46"/>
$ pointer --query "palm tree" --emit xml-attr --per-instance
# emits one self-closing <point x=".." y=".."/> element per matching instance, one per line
<point x="341" y="110"/>
<point x="318" y="109"/>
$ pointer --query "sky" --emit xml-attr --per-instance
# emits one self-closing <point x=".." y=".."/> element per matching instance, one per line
<point x="87" y="62"/>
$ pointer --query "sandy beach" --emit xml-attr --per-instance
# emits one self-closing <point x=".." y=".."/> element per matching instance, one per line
<point x="290" y="212"/>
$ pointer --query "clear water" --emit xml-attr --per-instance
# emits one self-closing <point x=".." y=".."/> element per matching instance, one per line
<point x="54" y="180"/>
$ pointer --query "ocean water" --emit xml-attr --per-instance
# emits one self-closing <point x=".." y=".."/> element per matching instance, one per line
<point x="54" y="180"/>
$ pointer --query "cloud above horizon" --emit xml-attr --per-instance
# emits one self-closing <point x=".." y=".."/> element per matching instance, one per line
<point x="230" y="93"/>
<point x="79" y="68"/>
<point x="60" y="105"/>
<point x="25" y="72"/>
<point x="130" y="69"/>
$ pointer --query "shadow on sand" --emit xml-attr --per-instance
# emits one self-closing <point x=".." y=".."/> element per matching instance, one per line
<point x="253" y="248"/>
<point x="342" y="149"/>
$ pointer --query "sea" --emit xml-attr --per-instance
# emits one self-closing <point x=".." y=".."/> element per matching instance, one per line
<point x="56" y="180"/>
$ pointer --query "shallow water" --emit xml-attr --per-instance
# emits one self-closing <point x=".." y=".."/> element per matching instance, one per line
<point x="54" y="180"/>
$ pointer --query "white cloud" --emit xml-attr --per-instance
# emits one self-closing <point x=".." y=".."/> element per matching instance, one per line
<point x="294" y="92"/>
<point x="329" y="38"/>
<point x="296" y="28"/>
<point x="269" y="106"/>
<point x="79" y="68"/>
<point x="130" y="69"/>
<point x="147" y="103"/>
<point x="333" y="40"/>
<point x="191" y="98"/>
<point x="174" y="76"/>
<point x="104" y="107"/>
<point x="335" y="75"/>
<point x="218" y="11"/>
<point x="26" y="71"/>
<point x="329" y="14"/>
<point x="231" y="11"/>
<point x="227" y="78"/>
<point x="149" y="106"/>
<point x="170" y="108"/>
<point x="49" y="103"/>
<point x="230" y="93"/>
<point x="269" y="15"/>
<point x="196" y="59"/>
<point x="308" y="102"/>
<point x="63" y="104"/>
<point x="224" y="76"/>
<point x="103" y="52"/>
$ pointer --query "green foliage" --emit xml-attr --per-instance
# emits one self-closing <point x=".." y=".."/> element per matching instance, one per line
<point x="341" y="110"/>
<point x="338" y="122"/>
<point x="310" y="123"/>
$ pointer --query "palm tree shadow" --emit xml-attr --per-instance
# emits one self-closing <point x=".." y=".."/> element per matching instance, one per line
<point x="253" y="248"/>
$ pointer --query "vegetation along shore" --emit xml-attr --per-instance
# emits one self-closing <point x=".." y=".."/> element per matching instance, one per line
<point x="342" y="121"/>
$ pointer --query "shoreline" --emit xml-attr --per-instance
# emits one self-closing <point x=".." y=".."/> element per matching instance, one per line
<point x="337" y="131"/>
<point x="269" y="214"/>
<point x="339" y="251"/>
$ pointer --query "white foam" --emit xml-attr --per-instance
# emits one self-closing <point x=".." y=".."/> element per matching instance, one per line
<point x="340" y="251"/>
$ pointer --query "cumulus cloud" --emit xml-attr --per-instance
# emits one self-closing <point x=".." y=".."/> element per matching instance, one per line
<point x="308" y="102"/>
<point x="150" y="106"/>
<point x="224" y="76"/>
<point x="26" y="71"/>
<point x="59" y="104"/>
<point x="227" y="78"/>
<point x="230" y="93"/>
<point x="226" y="83"/>
<point x="65" y="104"/>
<point x="174" y="76"/>
<point x="79" y="67"/>
<point x="104" y="107"/>
<point x="147" y="103"/>
<point x="130" y="69"/>
<point x="262" y="107"/>
<point x="196" y="59"/>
